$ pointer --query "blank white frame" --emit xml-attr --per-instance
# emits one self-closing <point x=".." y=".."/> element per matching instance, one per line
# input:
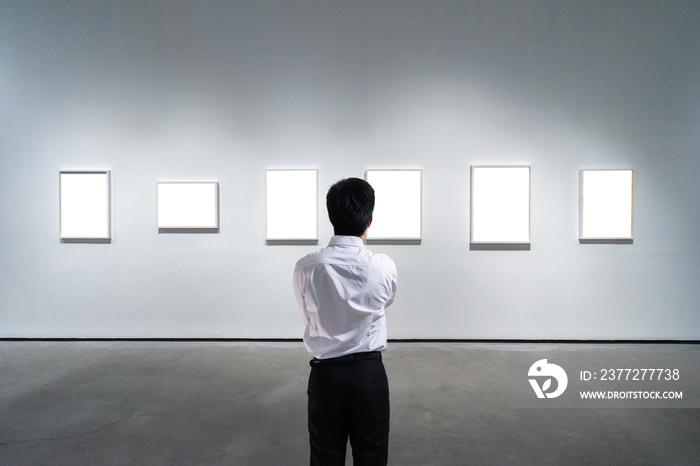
<point x="187" y="205"/>
<point x="291" y="201"/>
<point x="85" y="205"/>
<point x="398" y="205"/>
<point x="500" y="205"/>
<point x="605" y="205"/>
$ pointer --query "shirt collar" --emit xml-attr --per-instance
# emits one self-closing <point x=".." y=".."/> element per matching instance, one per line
<point x="341" y="240"/>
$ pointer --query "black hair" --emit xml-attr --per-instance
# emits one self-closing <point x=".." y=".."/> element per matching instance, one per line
<point x="350" y="203"/>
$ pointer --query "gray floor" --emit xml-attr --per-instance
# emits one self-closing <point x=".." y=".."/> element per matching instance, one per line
<point x="223" y="403"/>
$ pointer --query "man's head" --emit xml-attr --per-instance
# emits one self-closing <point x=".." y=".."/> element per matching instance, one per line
<point x="350" y="203"/>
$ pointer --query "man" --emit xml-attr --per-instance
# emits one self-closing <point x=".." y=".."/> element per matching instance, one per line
<point x="342" y="292"/>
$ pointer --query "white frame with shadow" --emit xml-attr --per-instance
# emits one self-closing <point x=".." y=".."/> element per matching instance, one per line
<point x="606" y="204"/>
<point x="500" y="207"/>
<point x="187" y="206"/>
<point x="85" y="206"/>
<point x="291" y="206"/>
<point x="398" y="211"/>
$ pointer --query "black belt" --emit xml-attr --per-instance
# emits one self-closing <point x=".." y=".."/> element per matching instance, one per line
<point x="354" y="357"/>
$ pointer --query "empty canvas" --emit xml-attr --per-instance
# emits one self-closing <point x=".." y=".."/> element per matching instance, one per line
<point x="291" y="205"/>
<point x="500" y="205"/>
<point x="606" y="204"/>
<point x="85" y="205"/>
<point x="397" y="209"/>
<point x="188" y="205"/>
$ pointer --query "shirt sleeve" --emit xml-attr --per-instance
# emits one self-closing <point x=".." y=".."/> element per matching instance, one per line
<point x="394" y="287"/>
<point x="392" y="279"/>
<point x="299" y="285"/>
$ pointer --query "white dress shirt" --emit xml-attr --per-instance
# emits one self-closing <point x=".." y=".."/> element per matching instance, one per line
<point x="342" y="291"/>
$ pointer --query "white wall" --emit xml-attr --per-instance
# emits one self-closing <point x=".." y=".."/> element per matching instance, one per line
<point x="195" y="90"/>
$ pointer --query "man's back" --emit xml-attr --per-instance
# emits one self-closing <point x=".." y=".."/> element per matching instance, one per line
<point x="342" y="292"/>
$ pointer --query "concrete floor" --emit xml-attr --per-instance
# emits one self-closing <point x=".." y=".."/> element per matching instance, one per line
<point x="241" y="403"/>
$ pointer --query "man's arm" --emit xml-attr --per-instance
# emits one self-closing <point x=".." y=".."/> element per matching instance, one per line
<point x="299" y="285"/>
<point x="393" y="288"/>
<point x="392" y="280"/>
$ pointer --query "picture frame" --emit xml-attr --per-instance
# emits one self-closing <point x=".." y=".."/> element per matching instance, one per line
<point x="85" y="206"/>
<point x="187" y="206"/>
<point x="291" y="206"/>
<point x="606" y="204"/>
<point x="500" y="207"/>
<point x="398" y="211"/>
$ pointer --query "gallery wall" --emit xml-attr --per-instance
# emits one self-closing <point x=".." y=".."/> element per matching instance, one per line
<point x="225" y="90"/>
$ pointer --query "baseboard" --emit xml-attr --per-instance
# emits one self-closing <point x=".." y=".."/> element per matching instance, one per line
<point x="395" y="340"/>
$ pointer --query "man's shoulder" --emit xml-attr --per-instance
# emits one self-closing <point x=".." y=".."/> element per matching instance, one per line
<point x="308" y="259"/>
<point x="383" y="261"/>
<point x="322" y="256"/>
<point x="330" y="257"/>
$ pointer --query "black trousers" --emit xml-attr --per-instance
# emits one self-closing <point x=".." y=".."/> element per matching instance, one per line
<point x="348" y="398"/>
